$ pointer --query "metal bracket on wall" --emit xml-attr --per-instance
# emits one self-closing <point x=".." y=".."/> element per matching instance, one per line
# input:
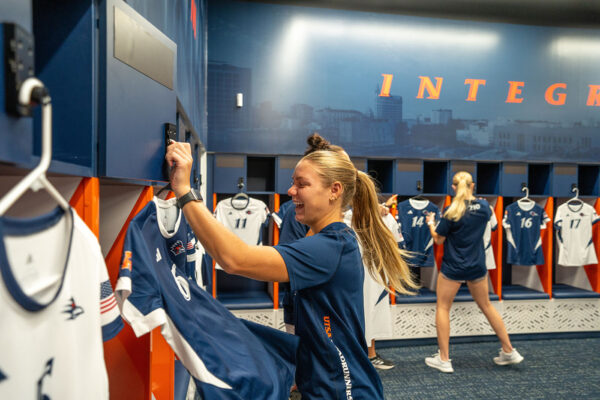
<point x="18" y="66"/>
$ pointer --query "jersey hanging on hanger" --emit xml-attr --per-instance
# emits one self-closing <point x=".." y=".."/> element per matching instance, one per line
<point x="573" y="225"/>
<point x="228" y="358"/>
<point x="412" y="215"/>
<point x="246" y="222"/>
<point x="243" y="217"/>
<point x="491" y="226"/>
<point x="57" y="306"/>
<point x="523" y="223"/>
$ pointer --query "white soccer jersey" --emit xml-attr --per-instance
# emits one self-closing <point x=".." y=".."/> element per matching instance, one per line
<point x="378" y="313"/>
<point x="243" y="217"/>
<point x="492" y="224"/>
<point x="56" y="304"/>
<point x="573" y="225"/>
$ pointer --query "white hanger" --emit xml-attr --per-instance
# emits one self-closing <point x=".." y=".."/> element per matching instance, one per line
<point x="575" y="199"/>
<point x="36" y="179"/>
<point x="525" y="199"/>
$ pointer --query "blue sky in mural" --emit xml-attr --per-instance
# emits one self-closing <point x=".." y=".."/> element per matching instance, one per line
<point x="334" y="60"/>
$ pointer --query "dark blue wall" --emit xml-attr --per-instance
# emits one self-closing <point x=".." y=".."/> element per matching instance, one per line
<point x="304" y="69"/>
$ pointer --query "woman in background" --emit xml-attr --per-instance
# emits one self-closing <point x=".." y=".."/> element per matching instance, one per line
<point x="461" y="231"/>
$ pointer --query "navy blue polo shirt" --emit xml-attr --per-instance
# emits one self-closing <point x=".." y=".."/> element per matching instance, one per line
<point x="464" y="248"/>
<point x="327" y="272"/>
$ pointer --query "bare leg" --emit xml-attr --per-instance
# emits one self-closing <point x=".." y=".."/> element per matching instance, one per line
<point x="372" y="352"/>
<point x="446" y="290"/>
<point x="479" y="291"/>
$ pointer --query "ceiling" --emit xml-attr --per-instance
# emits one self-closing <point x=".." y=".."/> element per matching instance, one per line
<point x="572" y="13"/>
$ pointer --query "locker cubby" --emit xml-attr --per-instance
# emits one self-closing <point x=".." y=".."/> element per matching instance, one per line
<point x="564" y="176"/>
<point x="382" y="171"/>
<point x="539" y="179"/>
<point x="360" y="164"/>
<point x="260" y="174"/>
<point x="284" y="170"/>
<point x="457" y="166"/>
<point x="513" y="175"/>
<point x="529" y="282"/>
<point x="227" y="171"/>
<point x="238" y="292"/>
<point x="435" y="177"/>
<point x="487" y="179"/>
<point x="109" y="104"/>
<point x="588" y="180"/>
<point x="409" y="177"/>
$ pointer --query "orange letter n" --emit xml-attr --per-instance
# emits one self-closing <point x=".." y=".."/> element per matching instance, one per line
<point x="434" y="92"/>
<point x="593" y="96"/>
<point x="513" y="91"/>
<point x="387" y="84"/>
<point x="560" y="98"/>
<point x="473" y="86"/>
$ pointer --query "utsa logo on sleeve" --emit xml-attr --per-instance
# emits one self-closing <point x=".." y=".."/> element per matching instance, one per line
<point x="57" y="307"/>
<point x="228" y="358"/>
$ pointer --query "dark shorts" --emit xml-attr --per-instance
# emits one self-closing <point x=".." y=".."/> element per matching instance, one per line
<point x="472" y="274"/>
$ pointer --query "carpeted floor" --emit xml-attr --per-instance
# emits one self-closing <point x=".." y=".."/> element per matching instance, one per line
<point x="552" y="369"/>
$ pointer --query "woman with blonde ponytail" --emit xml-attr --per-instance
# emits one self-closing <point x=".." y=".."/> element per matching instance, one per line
<point x="325" y="269"/>
<point x="461" y="231"/>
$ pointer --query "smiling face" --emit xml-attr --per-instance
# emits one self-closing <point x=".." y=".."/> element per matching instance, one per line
<point x="313" y="200"/>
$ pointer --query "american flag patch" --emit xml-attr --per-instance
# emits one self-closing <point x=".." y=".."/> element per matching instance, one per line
<point x="190" y="245"/>
<point x="107" y="297"/>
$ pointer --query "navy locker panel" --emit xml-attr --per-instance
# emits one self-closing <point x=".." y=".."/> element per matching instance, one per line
<point x="564" y="176"/>
<point x="513" y="176"/>
<point x="284" y="170"/>
<point x="457" y="166"/>
<point x="15" y="133"/>
<point x="227" y="171"/>
<point x="409" y="177"/>
<point x="360" y="164"/>
<point x="136" y="96"/>
<point x="539" y="179"/>
<point x="487" y="179"/>
<point x="65" y="62"/>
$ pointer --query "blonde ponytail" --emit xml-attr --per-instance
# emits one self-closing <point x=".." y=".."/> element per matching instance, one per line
<point x="384" y="260"/>
<point x="463" y="182"/>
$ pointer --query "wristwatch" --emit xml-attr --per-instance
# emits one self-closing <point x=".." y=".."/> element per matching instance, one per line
<point x="192" y="195"/>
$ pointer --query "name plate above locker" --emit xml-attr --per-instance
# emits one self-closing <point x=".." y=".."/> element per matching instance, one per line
<point x="140" y="49"/>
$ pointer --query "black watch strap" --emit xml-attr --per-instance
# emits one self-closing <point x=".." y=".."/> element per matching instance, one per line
<point x="192" y="195"/>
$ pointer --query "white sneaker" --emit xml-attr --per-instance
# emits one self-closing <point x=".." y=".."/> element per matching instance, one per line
<point x="508" y="358"/>
<point x="436" y="362"/>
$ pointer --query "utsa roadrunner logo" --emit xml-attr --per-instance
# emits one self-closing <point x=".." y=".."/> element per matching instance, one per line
<point x="47" y="372"/>
<point x="73" y="309"/>
<point x="177" y="248"/>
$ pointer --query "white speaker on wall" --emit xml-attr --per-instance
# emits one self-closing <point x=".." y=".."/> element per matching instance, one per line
<point x="239" y="100"/>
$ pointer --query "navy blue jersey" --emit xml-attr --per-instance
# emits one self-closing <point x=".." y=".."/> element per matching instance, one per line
<point x="523" y="222"/>
<point x="289" y="230"/>
<point x="412" y="215"/>
<point x="228" y="358"/>
<point x="327" y="272"/>
<point x="464" y="248"/>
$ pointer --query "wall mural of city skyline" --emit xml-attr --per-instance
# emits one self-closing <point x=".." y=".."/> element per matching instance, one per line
<point x="383" y="85"/>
